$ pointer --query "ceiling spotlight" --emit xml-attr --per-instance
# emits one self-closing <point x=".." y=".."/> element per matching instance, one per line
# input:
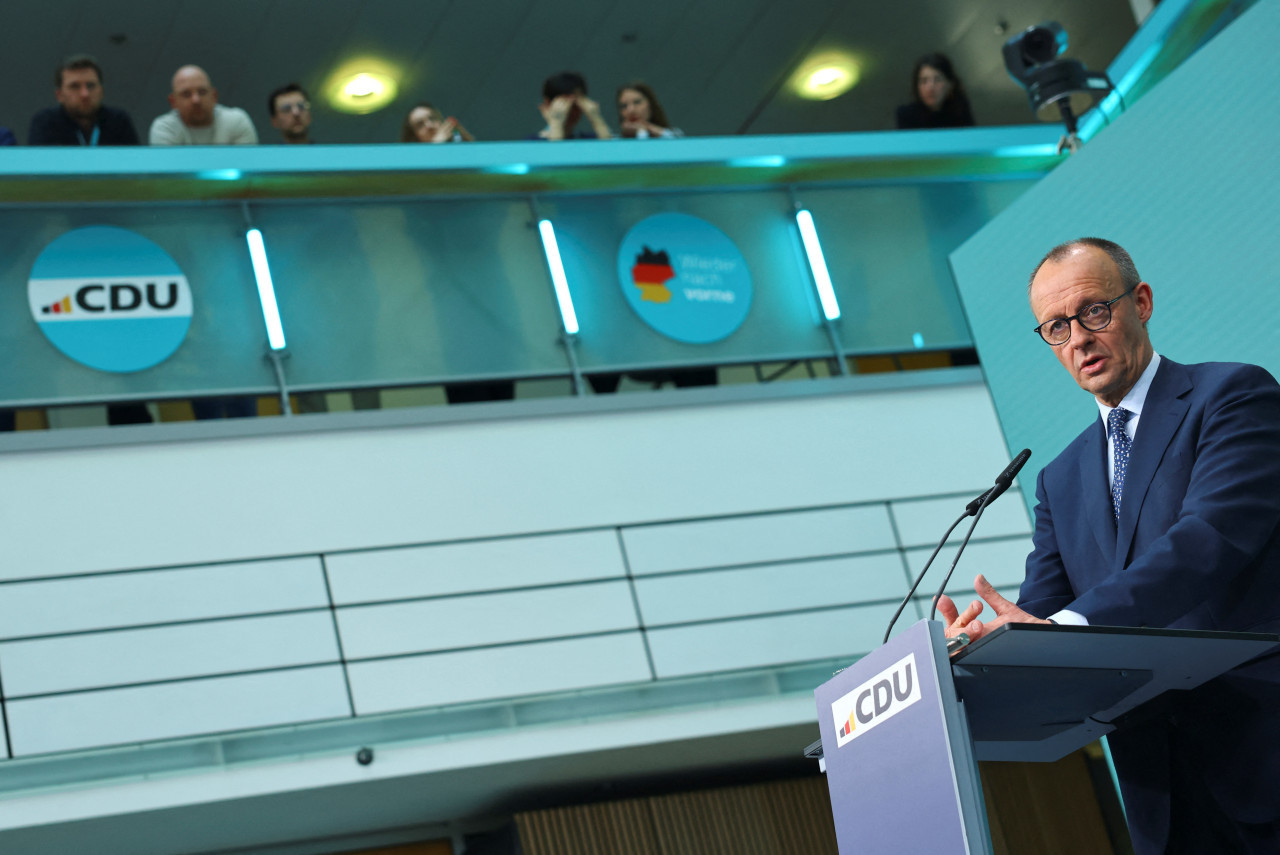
<point x="1057" y="88"/>
<point x="361" y="86"/>
<point x="825" y="77"/>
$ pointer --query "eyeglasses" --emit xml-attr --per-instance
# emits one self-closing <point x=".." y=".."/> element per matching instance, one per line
<point x="1093" y="317"/>
<point x="294" y="107"/>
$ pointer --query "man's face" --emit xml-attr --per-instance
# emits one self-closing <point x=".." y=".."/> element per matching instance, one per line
<point x="1109" y="361"/>
<point x="193" y="97"/>
<point x="80" y="93"/>
<point x="293" y="116"/>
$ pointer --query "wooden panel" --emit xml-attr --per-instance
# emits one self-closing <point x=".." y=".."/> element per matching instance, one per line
<point x="1047" y="808"/>
<point x="757" y="538"/>
<point x="619" y="828"/>
<point x="774" y="818"/>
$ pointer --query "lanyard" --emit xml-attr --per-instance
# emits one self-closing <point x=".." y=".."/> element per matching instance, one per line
<point x="93" y="140"/>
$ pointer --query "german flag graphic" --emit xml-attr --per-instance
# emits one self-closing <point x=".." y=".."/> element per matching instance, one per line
<point x="650" y="273"/>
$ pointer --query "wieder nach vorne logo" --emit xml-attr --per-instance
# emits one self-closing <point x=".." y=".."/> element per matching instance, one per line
<point x="877" y="700"/>
<point x="110" y="299"/>
<point x="685" y="278"/>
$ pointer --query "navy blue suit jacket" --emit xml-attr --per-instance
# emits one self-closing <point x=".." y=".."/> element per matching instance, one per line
<point x="1197" y="546"/>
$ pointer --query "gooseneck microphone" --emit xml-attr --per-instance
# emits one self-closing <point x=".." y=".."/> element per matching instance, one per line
<point x="973" y="509"/>
<point x="1003" y="480"/>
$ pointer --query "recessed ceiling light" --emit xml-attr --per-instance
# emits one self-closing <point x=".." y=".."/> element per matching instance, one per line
<point x="362" y="86"/>
<point x="826" y="76"/>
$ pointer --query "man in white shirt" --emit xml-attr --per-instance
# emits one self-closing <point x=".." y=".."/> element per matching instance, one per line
<point x="197" y="118"/>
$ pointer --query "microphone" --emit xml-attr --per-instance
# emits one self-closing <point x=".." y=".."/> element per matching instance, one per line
<point x="1003" y="480"/>
<point x="976" y="506"/>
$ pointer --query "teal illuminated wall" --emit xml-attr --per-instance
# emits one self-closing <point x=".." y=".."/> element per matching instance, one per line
<point x="1187" y="181"/>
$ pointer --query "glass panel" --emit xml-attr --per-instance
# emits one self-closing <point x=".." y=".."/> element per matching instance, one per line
<point x="887" y="248"/>
<point x="223" y="349"/>
<point x="783" y="322"/>
<point x="408" y="292"/>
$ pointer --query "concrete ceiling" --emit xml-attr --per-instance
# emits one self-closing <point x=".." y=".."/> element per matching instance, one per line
<point x="720" y="67"/>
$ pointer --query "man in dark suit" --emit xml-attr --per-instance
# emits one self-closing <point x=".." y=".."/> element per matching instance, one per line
<point x="1164" y="513"/>
<point x="80" y="117"/>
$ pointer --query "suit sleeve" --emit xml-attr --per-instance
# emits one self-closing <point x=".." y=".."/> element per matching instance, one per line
<point x="1225" y="530"/>
<point x="1046" y="589"/>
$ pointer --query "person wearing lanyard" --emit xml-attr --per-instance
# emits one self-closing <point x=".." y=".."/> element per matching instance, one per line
<point x="80" y="117"/>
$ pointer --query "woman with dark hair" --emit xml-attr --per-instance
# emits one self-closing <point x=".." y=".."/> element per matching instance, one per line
<point x="424" y="123"/>
<point x="937" y="97"/>
<point x="641" y="114"/>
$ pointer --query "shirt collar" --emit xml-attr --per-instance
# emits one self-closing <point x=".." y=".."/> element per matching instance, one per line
<point x="1137" y="396"/>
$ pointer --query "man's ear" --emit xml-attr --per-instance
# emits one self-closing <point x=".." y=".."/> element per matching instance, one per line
<point x="1144" y="300"/>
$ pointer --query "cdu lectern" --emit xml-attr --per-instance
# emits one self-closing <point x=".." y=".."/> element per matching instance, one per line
<point x="903" y="728"/>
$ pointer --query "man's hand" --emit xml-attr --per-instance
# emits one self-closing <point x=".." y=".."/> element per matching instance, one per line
<point x="554" y="113"/>
<point x="967" y="621"/>
<point x="591" y="110"/>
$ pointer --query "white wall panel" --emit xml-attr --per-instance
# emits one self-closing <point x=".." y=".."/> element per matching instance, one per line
<point x="475" y="675"/>
<point x="760" y="538"/>
<point x="1003" y="562"/>
<point x="158" y="596"/>
<point x="922" y="522"/>
<point x="377" y="487"/>
<point x="168" y="710"/>
<point x="763" y="641"/>
<point x="470" y="621"/>
<point x="102" y="659"/>
<point x="716" y="594"/>
<point x="454" y="568"/>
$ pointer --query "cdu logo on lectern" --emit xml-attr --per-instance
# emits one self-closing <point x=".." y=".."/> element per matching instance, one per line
<point x="877" y="700"/>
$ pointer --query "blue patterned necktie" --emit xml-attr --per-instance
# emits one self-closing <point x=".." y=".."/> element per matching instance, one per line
<point x="1121" y="443"/>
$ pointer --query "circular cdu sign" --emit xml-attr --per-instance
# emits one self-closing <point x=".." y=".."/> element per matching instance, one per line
<point x="110" y="299"/>
<point x="685" y="278"/>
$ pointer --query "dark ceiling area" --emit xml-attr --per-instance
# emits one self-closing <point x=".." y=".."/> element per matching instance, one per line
<point x="718" y="67"/>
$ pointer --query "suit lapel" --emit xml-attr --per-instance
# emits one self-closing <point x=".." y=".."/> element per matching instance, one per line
<point x="1162" y="412"/>
<point x="1096" y="490"/>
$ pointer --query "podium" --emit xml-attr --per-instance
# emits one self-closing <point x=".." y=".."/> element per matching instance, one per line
<point x="903" y="728"/>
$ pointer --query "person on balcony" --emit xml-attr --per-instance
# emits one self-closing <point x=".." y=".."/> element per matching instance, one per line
<point x="197" y="118"/>
<point x="289" y="107"/>
<point x="937" y="97"/>
<point x="425" y="124"/>
<point x="564" y="104"/>
<point x="80" y="117"/>
<point x="640" y="114"/>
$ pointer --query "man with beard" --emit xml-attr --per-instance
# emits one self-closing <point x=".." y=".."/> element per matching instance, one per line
<point x="80" y="117"/>
<point x="290" y="111"/>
